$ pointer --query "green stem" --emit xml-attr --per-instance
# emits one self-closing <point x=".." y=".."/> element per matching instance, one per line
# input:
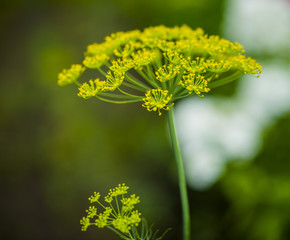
<point x="118" y="102"/>
<point x="118" y="233"/>
<point x="225" y="80"/>
<point x="148" y="79"/>
<point x="177" y="79"/>
<point x="181" y="176"/>
<point x="113" y="95"/>
<point x="129" y="95"/>
<point x="102" y="71"/>
<point x="181" y="96"/>
<point x="133" y="80"/>
<point x="133" y="86"/>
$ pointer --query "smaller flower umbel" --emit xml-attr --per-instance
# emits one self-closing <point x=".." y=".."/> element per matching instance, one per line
<point x="119" y="214"/>
<point x="157" y="99"/>
<point x="159" y="66"/>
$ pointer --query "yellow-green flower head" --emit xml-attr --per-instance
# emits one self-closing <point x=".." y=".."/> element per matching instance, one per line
<point x="97" y="49"/>
<point x="157" y="99"/>
<point x="159" y="66"/>
<point x="92" y="211"/>
<point x="218" y="66"/>
<point x="172" y="56"/>
<point x="121" y="189"/>
<point x="103" y="218"/>
<point x="129" y="203"/>
<point x="118" y="213"/>
<point x="122" y="66"/>
<point x="95" y="61"/>
<point x="126" y="51"/>
<point x="92" y="89"/>
<point x="144" y="57"/>
<point x="167" y="72"/>
<point x="95" y="197"/>
<point x="195" y="83"/>
<point x="68" y="76"/>
<point x="85" y="222"/>
<point x="114" y="80"/>
<point x="197" y="65"/>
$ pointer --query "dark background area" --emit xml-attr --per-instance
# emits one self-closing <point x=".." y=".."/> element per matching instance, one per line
<point x="57" y="149"/>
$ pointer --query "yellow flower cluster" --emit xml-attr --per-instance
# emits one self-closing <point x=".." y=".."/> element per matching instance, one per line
<point x="95" y="197"/>
<point x="91" y="89"/>
<point x="195" y="83"/>
<point x="159" y="66"/>
<point x="157" y="99"/>
<point x="68" y="76"/>
<point x="144" y="57"/>
<point x="117" y="191"/>
<point x="167" y="72"/>
<point x="95" y="61"/>
<point x="118" y="214"/>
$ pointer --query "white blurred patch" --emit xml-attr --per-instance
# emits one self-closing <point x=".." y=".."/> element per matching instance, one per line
<point x="214" y="131"/>
<point x="261" y="26"/>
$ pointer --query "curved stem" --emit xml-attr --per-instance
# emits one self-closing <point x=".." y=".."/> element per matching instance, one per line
<point x="118" y="102"/>
<point x="182" y="96"/>
<point x="113" y="95"/>
<point x="129" y="95"/>
<point x="102" y="71"/>
<point x="148" y="79"/>
<point x="176" y="80"/>
<point x="181" y="177"/>
<point x="222" y="81"/>
<point x="133" y="86"/>
<point x="118" y="233"/>
<point x="134" y="80"/>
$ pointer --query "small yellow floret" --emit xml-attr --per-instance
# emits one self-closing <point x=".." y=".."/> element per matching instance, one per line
<point x="68" y="76"/>
<point x="157" y="99"/>
<point x="92" y="89"/>
<point x="246" y="64"/>
<point x="92" y="211"/>
<point x="95" y="197"/>
<point x="122" y="65"/>
<point x="120" y="190"/>
<point x="135" y="219"/>
<point x="128" y="203"/>
<point x="167" y="72"/>
<point x="218" y="66"/>
<point x="114" y="80"/>
<point x="194" y="65"/>
<point x="122" y="38"/>
<point x="144" y="57"/>
<point x="125" y="51"/>
<point x="102" y="221"/>
<point x="95" y="61"/>
<point x="85" y="222"/>
<point x="195" y="83"/>
<point x="119" y="214"/>
<point x="99" y="49"/>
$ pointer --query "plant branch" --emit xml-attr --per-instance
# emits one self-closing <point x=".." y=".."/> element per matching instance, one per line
<point x="181" y="177"/>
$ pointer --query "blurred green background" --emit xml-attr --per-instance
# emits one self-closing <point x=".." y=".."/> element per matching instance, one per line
<point x="57" y="149"/>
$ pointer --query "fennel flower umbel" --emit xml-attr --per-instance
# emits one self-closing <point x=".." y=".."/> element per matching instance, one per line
<point x="159" y="66"/>
<point x="156" y="67"/>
